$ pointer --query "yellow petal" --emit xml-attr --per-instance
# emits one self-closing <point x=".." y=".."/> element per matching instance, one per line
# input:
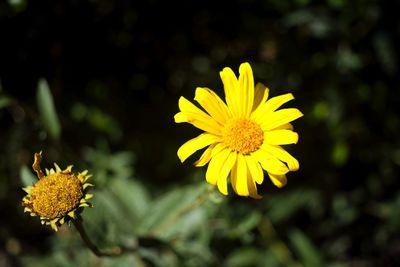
<point x="280" y="137"/>
<point x="286" y="126"/>
<point x="252" y="186"/>
<point x="69" y="168"/>
<point x="269" y="162"/>
<point x="199" y="142"/>
<point x="283" y="155"/>
<point x="198" y="122"/>
<point x="275" y="102"/>
<point x="210" y="152"/>
<point x="264" y="109"/>
<point x="260" y="155"/>
<point x="87" y="177"/>
<point x="72" y="214"/>
<point x="215" y="166"/>
<point x="255" y="169"/>
<point x="211" y="102"/>
<point x="218" y="148"/>
<point x="53" y="224"/>
<point x="58" y="169"/>
<point x="239" y="176"/>
<point x="226" y="168"/>
<point x="278" y="180"/>
<point x="231" y="88"/>
<point x="193" y="115"/>
<point x="205" y="157"/>
<point x="246" y="89"/>
<point x="27" y="189"/>
<point x="86" y="185"/>
<point x="274" y="166"/>
<point x="278" y="118"/>
<point x="260" y="95"/>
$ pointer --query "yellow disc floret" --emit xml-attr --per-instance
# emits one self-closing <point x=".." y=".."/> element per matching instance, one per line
<point x="243" y="136"/>
<point x="56" y="195"/>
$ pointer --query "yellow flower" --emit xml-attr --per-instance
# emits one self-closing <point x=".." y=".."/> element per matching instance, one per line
<point x="244" y="136"/>
<point x="57" y="197"/>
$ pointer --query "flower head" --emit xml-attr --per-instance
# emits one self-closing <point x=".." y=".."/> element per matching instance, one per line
<point x="58" y="196"/>
<point x="243" y="136"/>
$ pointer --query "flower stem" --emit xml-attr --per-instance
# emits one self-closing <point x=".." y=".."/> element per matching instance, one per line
<point x="116" y="251"/>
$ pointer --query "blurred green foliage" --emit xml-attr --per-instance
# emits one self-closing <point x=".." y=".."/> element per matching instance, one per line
<point x="47" y="111"/>
<point x="96" y="84"/>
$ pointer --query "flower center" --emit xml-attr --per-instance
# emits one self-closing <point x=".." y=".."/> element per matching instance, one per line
<point x="243" y="136"/>
<point x="55" y="195"/>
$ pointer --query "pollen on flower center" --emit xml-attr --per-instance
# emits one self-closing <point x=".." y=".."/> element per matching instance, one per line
<point x="55" y="195"/>
<point x="243" y="136"/>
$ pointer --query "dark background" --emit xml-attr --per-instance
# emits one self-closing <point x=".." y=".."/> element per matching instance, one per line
<point x="116" y="70"/>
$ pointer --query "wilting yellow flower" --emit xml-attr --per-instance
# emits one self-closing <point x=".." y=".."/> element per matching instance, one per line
<point x="58" y="196"/>
<point x="244" y="136"/>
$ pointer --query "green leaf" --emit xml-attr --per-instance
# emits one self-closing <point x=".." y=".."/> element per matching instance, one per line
<point x="47" y="110"/>
<point x="337" y="4"/>
<point x="132" y="196"/>
<point x="123" y="260"/>
<point x="284" y="205"/>
<point x="247" y="256"/>
<point x="175" y="212"/>
<point x="347" y="60"/>
<point x="321" y="110"/>
<point x="27" y="177"/>
<point x="246" y="224"/>
<point x="305" y="249"/>
<point x="197" y="253"/>
<point x="4" y="101"/>
<point x="18" y="5"/>
<point x="279" y="253"/>
<point x="107" y="221"/>
<point x="108" y="166"/>
<point x="340" y="153"/>
<point x="58" y="258"/>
